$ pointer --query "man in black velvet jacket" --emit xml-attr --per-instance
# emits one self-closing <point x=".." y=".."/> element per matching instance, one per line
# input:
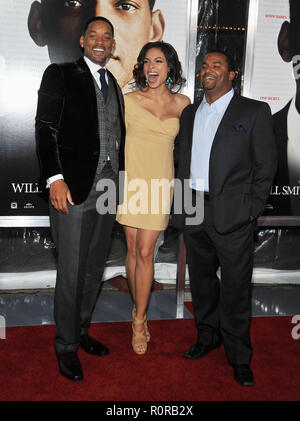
<point x="80" y="134"/>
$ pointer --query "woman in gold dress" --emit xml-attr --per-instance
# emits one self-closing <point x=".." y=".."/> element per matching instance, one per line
<point x="152" y="115"/>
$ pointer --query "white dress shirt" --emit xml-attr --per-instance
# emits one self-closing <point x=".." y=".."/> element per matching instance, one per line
<point x="94" y="68"/>
<point x="207" y="120"/>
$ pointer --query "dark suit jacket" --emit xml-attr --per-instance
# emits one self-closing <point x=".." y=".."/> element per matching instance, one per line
<point x="242" y="162"/>
<point x="67" y="126"/>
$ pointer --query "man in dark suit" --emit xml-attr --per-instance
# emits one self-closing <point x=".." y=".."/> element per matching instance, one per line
<point x="80" y="141"/>
<point x="227" y="142"/>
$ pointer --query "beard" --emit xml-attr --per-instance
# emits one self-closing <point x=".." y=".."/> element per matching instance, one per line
<point x="209" y="87"/>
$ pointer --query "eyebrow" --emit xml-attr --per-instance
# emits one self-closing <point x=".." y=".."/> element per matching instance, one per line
<point x="214" y="62"/>
<point x="92" y="31"/>
<point x="148" y="58"/>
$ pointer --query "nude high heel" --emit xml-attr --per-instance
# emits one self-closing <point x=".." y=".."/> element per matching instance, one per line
<point x="139" y="341"/>
<point x="147" y="333"/>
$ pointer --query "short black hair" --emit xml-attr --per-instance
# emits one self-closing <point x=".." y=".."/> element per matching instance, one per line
<point x="229" y="59"/>
<point x="172" y="59"/>
<point x="97" y="18"/>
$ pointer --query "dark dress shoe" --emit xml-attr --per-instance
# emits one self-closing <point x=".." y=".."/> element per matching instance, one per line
<point x="243" y="375"/>
<point x="91" y="346"/>
<point x="199" y="351"/>
<point x="69" y="366"/>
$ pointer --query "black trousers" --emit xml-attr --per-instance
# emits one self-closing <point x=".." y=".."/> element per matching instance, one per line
<point x="222" y="307"/>
<point x="82" y="240"/>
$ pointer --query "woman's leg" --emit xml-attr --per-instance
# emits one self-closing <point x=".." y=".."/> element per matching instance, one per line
<point x="144" y="271"/>
<point x="130" y="263"/>
<point x="140" y="271"/>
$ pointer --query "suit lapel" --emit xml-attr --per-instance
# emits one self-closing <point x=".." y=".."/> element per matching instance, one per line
<point x="227" y="120"/>
<point x="190" y="122"/>
<point x="119" y="95"/>
<point x="228" y="116"/>
<point x="187" y="125"/>
<point x="88" y="87"/>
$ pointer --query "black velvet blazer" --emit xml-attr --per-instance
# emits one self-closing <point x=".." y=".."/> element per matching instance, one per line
<point x="67" y="126"/>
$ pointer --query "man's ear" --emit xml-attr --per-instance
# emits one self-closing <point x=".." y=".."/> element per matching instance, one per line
<point x="113" y="46"/>
<point x="283" y="42"/>
<point x="157" y="26"/>
<point x="81" y="41"/>
<point x="34" y="24"/>
<point x="232" y="75"/>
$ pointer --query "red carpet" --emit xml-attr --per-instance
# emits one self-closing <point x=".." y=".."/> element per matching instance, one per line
<point x="28" y="366"/>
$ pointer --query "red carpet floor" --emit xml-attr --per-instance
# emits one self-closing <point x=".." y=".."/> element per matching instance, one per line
<point x="28" y="367"/>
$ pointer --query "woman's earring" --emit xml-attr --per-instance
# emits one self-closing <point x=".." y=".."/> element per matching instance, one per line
<point x="169" y="82"/>
<point x="146" y="82"/>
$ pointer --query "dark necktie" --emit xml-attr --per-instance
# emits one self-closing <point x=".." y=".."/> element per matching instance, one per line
<point x="104" y="86"/>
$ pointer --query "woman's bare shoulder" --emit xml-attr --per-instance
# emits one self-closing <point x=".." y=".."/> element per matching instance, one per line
<point x="131" y="94"/>
<point x="136" y="95"/>
<point x="182" y="101"/>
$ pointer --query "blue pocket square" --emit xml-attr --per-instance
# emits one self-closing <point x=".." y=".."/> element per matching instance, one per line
<point x="238" y="128"/>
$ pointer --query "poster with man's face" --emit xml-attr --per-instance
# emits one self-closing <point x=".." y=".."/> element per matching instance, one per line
<point x="272" y="71"/>
<point x="34" y="34"/>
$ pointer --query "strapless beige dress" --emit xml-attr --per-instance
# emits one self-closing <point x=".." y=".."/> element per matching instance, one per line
<point x="149" y="168"/>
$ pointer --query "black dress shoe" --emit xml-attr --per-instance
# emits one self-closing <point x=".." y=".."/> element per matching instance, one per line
<point x="69" y="366"/>
<point x="91" y="346"/>
<point x="243" y="375"/>
<point x="199" y="351"/>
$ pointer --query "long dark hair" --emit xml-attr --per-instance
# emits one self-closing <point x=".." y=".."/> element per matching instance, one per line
<point x="173" y="62"/>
